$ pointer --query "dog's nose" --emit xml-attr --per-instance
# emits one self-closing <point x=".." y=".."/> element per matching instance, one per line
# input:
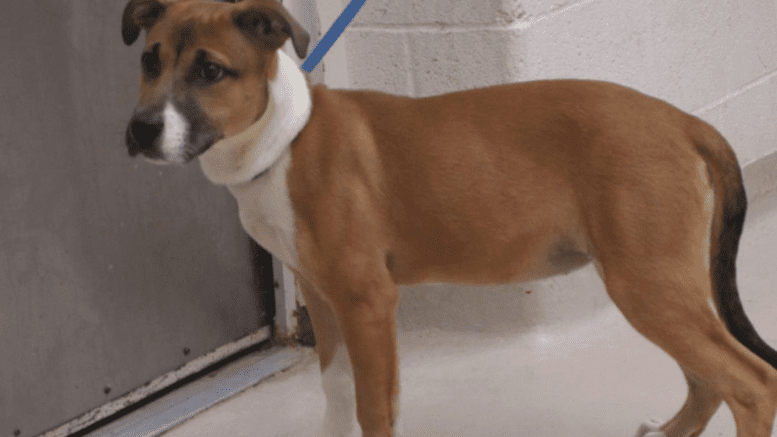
<point x="142" y="132"/>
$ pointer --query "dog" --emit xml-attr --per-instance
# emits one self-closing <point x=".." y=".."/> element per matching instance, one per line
<point x="359" y="191"/>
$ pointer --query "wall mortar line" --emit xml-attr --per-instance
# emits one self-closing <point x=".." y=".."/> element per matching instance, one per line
<point x="733" y="94"/>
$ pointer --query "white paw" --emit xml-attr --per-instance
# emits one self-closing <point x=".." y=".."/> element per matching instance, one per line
<point x="650" y="428"/>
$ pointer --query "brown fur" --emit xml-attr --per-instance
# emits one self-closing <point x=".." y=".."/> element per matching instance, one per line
<point x="492" y="185"/>
<point x="487" y="185"/>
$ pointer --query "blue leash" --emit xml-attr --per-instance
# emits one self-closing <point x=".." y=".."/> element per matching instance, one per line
<point x="332" y="34"/>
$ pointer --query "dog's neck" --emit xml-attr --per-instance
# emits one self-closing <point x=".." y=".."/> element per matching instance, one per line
<point x="242" y="157"/>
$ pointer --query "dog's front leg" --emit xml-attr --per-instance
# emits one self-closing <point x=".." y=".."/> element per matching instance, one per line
<point x="336" y="373"/>
<point x="365" y="309"/>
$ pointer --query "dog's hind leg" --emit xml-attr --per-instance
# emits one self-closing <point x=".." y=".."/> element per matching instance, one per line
<point x="667" y="255"/>
<point x="701" y="404"/>
<point x="667" y="304"/>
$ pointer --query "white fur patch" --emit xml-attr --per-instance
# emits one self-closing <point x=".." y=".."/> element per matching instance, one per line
<point x="650" y="428"/>
<point x="265" y="211"/>
<point x="708" y="194"/>
<point x="173" y="134"/>
<point x="709" y="210"/>
<point x="340" y="414"/>
<point x="265" y="207"/>
<point x="237" y="159"/>
<point x="337" y="381"/>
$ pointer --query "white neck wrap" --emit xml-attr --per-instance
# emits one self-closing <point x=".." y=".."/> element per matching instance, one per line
<point x="241" y="157"/>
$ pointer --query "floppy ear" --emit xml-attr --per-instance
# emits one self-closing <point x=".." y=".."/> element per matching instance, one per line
<point x="139" y="14"/>
<point x="272" y="27"/>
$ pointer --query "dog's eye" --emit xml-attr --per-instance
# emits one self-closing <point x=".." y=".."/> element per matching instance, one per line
<point x="152" y="67"/>
<point x="211" y="72"/>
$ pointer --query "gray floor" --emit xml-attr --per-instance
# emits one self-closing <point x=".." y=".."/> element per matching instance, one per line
<point x="546" y="359"/>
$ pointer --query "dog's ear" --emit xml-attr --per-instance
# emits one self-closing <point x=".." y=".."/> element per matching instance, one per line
<point x="139" y="14"/>
<point x="271" y="27"/>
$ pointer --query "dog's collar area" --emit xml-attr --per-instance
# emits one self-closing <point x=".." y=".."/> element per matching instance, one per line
<point x="267" y="170"/>
<point x="249" y="154"/>
<point x="259" y="176"/>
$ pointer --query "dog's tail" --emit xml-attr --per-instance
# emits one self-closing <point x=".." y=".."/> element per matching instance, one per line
<point x="727" y="223"/>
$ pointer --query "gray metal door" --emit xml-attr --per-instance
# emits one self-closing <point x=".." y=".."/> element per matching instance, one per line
<point x="112" y="271"/>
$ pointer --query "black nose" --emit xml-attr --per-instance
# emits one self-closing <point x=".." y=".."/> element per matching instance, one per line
<point x="142" y="132"/>
<point x="145" y="132"/>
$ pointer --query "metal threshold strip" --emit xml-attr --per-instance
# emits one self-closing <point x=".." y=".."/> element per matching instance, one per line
<point x="181" y="403"/>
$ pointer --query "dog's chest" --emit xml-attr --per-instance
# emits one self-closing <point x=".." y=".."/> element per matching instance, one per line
<point x="265" y="211"/>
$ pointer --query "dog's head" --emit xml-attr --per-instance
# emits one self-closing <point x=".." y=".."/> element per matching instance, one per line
<point x="205" y="71"/>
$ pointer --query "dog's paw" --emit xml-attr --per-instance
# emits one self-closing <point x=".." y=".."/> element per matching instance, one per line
<point x="650" y="428"/>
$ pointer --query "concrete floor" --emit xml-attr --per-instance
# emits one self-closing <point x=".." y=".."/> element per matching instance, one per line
<point x="546" y="359"/>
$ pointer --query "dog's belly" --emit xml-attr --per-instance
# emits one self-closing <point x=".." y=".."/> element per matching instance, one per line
<point x="487" y="230"/>
<point x="489" y="265"/>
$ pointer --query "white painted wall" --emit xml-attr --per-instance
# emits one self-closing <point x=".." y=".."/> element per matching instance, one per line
<point x="714" y="58"/>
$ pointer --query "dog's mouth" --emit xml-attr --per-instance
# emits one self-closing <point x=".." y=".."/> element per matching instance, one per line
<point x="187" y="150"/>
<point x="167" y="134"/>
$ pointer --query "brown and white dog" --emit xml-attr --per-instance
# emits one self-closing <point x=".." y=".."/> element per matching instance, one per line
<point x="360" y="191"/>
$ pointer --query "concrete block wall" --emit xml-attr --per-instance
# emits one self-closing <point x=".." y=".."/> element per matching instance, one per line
<point x="714" y="58"/>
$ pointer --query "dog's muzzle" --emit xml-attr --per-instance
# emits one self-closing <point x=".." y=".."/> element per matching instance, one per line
<point x="144" y="132"/>
<point x="173" y="132"/>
